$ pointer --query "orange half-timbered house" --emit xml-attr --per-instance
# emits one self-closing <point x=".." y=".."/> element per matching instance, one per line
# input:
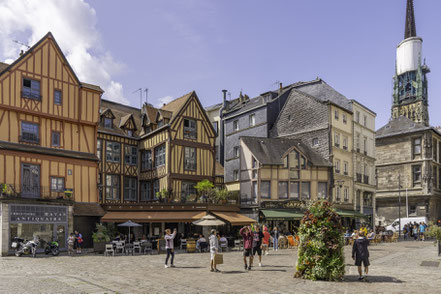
<point x="176" y="150"/>
<point x="48" y="163"/>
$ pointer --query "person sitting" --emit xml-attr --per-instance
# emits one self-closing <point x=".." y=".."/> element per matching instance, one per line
<point x="371" y="235"/>
<point x="223" y="242"/>
<point x="201" y="243"/>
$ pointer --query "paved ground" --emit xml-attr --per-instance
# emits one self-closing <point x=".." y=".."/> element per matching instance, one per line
<point x="396" y="268"/>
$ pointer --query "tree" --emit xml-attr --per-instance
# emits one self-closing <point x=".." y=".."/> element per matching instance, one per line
<point x="320" y="254"/>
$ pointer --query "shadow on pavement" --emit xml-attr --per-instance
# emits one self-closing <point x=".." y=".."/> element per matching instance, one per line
<point x="233" y="272"/>
<point x="272" y="270"/>
<point x="190" y="267"/>
<point x="373" y="279"/>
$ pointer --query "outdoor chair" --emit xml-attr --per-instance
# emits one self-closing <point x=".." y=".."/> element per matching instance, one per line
<point x="137" y="246"/>
<point x="128" y="248"/>
<point x="238" y="244"/>
<point x="109" y="250"/>
<point x="203" y="246"/>
<point x="119" y="247"/>
<point x="223" y="246"/>
<point x="183" y="244"/>
<point x="147" y="247"/>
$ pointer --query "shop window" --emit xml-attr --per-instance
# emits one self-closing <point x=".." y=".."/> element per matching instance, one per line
<point x="146" y="160"/>
<point x="57" y="97"/>
<point x="322" y="190"/>
<point x="30" y="132"/>
<point x="57" y="184"/>
<point x="112" y="187"/>
<point x="294" y="190"/>
<point x="31" y="89"/>
<point x="265" y="189"/>
<point x="283" y="190"/>
<point x="416" y="174"/>
<point x="190" y="158"/>
<point x="190" y="131"/>
<point x="146" y="191"/>
<point x="130" y="189"/>
<point x="113" y="152"/>
<point x="306" y="190"/>
<point x="160" y="155"/>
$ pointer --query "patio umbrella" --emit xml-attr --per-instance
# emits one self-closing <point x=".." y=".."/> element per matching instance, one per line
<point x="129" y="224"/>
<point x="209" y="221"/>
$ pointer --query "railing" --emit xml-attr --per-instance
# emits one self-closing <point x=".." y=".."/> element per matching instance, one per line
<point x="247" y="201"/>
<point x="34" y="191"/>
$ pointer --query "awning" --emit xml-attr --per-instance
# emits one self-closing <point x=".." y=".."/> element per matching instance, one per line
<point x="234" y="218"/>
<point x="282" y="215"/>
<point x="350" y="213"/>
<point x="152" y="216"/>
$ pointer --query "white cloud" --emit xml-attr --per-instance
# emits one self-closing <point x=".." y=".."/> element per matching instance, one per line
<point x="73" y="24"/>
<point x="164" y="100"/>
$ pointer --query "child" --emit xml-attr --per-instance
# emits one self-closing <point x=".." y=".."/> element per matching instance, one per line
<point x="70" y="243"/>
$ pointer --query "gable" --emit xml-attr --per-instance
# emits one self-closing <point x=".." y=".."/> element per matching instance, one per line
<point x="108" y="114"/>
<point x="128" y="122"/>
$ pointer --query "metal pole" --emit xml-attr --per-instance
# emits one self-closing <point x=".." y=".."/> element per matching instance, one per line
<point x="399" y="206"/>
<point x="407" y="205"/>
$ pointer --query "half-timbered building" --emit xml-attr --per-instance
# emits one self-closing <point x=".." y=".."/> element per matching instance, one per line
<point x="48" y="166"/>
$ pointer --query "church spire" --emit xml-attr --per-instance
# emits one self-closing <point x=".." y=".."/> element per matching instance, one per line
<point x="410" y="30"/>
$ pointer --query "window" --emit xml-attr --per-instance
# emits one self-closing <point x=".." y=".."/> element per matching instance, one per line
<point x="235" y="175"/>
<point x="31" y="89"/>
<point x="146" y="191"/>
<point x="345" y="118"/>
<point x="216" y="127"/>
<point x="160" y="155"/>
<point x="303" y="162"/>
<point x="99" y="149"/>
<point x="161" y="123"/>
<point x="30" y="132"/>
<point x="294" y="190"/>
<point x="112" y="187"/>
<point x="57" y="97"/>
<point x="365" y="146"/>
<point x="108" y="123"/>
<point x="346" y="194"/>
<point x="417" y="146"/>
<point x="294" y="165"/>
<point x="439" y="149"/>
<point x="190" y="131"/>
<point x="155" y="188"/>
<point x="147" y="129"/>
<point x="345" y="168"/>
<point x="336" y="114"/>
<point x="306" y="190"/>
<point x="416" y="174"/>
<point x="367" y="200"/>
<point x="146" y="160"/>
<point x="254" y="162"/>
<point x="56" y="139"/>
<point x="412" y="210"/>
<point x="188" y="191"/>
<point x="439" y="178"/>
<point x="236" y="152"/>
<point x="435" y="150"/>
<point x="365" y="120"/>
<point x="113" y="152"/>
<point x="130" y="155"/>
<point x="337" y="194"/>
<point x="57" y="184"/>
<point x="357" y="142"/>
<point x="285" y="162"/>
<point x="265" y="189"/>
<point x="315" y="142"/>
<point x="254" y="174"/>
<point x="252" y="120"/>
<point x="190" y="158"/>
<point x="345" y="143"/>
<point x="130" y="133"/>
<point x="337" y="140"/>
<point x="322" y="190"/>
<point x="435" y="177"/>
<point x="235" y="125"/>
<point x="357" y="116"/>
<point x="30" y="184"/>
<point x="337" y="166"/>
<point x="254" y="190"/>
<point x="283" y="190"/>
<point x="129" y="189"/>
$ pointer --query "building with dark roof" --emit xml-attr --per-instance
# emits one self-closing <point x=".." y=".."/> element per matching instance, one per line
<point x="408" y="163"/>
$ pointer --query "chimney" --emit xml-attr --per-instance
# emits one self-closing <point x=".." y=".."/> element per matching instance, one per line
<point x="21" y="52"/>
<point x="280" y="88"/>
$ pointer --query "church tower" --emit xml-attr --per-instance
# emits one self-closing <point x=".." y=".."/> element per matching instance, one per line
<point x="410" y="83"/>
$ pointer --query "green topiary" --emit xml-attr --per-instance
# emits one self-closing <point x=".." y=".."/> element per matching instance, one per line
<point x="320" y="254"/>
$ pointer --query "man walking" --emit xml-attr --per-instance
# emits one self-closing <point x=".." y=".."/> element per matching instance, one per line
<point x="169" y="246"/>
<point x="257" y="245"/>
<point x="245" y="232"/>
<point x="361" y="254"/>
<point x="276" y="239"/>
<point x="214" y="248"/>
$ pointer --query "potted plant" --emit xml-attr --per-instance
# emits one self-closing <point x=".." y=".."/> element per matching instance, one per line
<point x="222" y="195"/>
<point x="100" y="237"/>
<point x="205" y="189"/>
<point x="434" y="231"/>
<point x="162" y="195"/>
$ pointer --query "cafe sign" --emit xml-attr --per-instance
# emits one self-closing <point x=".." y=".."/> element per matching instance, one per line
<point x="37" y="214"/>
<point x="283" y="204"/>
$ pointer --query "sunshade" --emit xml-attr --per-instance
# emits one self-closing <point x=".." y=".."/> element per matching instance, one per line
<point x="209" y="221"/>
<point x="129" y="224"/>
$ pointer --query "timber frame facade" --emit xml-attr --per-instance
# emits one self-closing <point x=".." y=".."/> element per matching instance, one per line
<point x="48" y="165"/>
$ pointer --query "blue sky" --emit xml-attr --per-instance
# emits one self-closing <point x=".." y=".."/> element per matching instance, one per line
<point x="173" y="47"/>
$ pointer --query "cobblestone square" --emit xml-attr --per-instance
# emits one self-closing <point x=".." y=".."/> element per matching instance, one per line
<point x="406" y="267"/>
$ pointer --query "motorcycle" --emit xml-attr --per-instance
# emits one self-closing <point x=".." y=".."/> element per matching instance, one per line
<point x="25" y="247"/>
<point x="52" y="247"/>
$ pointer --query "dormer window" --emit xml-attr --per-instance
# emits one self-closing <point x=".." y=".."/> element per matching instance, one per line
<point x="160" y="123"/>
<point x="147" y="129"/>
<point x="130" y="133"/>
<point x="108" y="123"/>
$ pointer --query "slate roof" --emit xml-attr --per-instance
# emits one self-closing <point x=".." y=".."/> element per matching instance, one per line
<point x="219" y="169"/>
<point x="271" y="150"/>
<point x="92" y="87"/>
<point x="3" y="66"/>
<point x="122" y="113"/>
<point x="175" y="106"/>
<point x="398" y="126"/>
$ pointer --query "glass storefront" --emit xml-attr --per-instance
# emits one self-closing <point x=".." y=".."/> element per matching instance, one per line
<point x="43" y="221"/>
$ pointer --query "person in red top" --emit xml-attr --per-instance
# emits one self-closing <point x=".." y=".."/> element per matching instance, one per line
<point x="245" y="232"/>
<point x="265" y="241"/>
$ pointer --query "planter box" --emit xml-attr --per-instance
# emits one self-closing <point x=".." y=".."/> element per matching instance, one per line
<point x="99" y="247"/>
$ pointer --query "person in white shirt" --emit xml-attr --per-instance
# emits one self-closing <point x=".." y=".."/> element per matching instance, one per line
<point x="214" y="248"/>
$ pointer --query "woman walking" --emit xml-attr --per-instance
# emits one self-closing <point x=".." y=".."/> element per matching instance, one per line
<point x="214" y="249"/>
<point x="169" y="239"/>
<point x="275" y="236"/>
<point x="245" y="232"/>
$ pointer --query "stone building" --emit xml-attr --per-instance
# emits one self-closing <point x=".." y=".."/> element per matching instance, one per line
<point x="408" y="159"/>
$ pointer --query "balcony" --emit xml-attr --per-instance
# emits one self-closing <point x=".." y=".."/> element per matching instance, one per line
<point x="246" y="201"/>
<point x="358" y="178"/>
<point x="34" y="191"/>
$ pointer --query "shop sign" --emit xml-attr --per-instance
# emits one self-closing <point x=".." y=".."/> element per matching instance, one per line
<point x="37" y="214"/>
<point x="283" y="204"/>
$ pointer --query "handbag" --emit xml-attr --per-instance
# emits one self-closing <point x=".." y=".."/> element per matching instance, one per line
<point x="218" y="258"/>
